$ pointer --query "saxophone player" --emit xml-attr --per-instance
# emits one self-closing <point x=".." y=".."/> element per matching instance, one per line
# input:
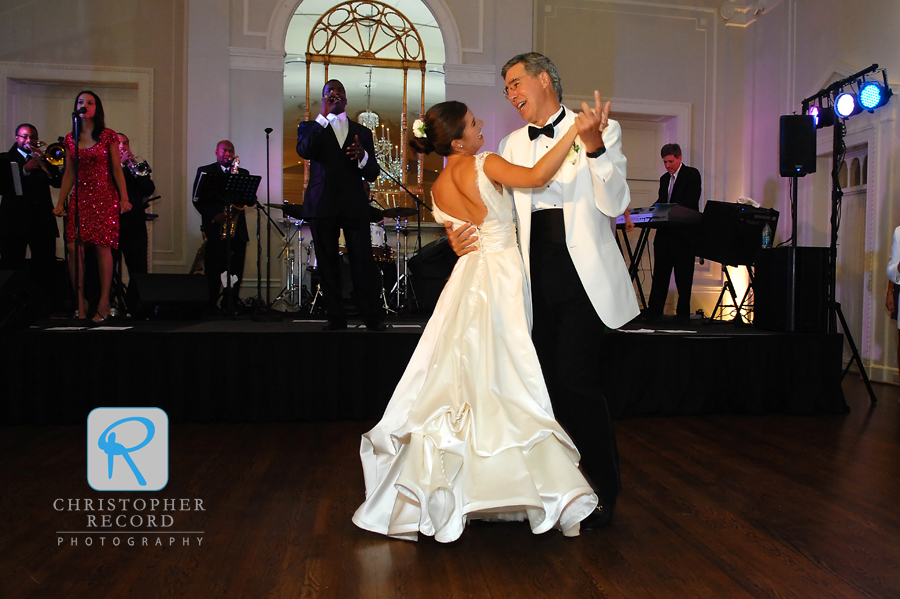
<point x="221" y="253"/>
<point x="133" y="224"/>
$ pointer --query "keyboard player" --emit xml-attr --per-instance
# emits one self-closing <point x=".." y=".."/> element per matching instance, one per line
<point x="672" y="247"/>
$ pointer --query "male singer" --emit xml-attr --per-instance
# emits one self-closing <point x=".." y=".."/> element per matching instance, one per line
<point x="341" y="155"/>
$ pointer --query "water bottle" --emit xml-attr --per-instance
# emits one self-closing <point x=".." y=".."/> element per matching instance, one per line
<point x="767" y="237"/>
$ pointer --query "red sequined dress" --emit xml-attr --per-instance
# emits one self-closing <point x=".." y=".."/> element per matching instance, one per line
<point x="98" y="199"/>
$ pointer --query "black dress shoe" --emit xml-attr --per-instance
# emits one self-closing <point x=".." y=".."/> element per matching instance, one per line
<point x="647" y="316"/>
<point x="335" y="326"/>
<point x="601" y="517"/>
<point x="376" y="326"/>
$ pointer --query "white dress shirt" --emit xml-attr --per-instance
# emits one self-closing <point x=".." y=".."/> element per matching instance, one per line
<point x="551" y="194"/>
<point x="339" y="126"/>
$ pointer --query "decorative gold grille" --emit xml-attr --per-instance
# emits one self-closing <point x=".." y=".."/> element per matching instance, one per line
<point x="368" y="33"/>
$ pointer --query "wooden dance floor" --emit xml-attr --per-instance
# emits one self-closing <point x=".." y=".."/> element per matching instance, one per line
<point x="720" y="506"/>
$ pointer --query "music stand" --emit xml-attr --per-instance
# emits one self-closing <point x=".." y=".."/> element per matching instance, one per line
<point x="234" y="189"/>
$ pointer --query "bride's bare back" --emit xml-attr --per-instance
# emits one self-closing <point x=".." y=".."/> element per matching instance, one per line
<point x="456" y="190"/>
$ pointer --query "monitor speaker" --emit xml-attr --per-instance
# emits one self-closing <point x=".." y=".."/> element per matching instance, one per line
<point x="167" y="295"/>
<point x="19" y="301"/>
<point x="798" y="145"/>
<point x="790" y="290"/>
<point x="430" y="268"/>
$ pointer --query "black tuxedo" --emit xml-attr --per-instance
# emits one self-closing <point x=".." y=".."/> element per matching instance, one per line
<point x="133" y="224"/>
<point x="217" y="249"/>
<point x="26" y="220"/>
<point x="673" y="247"/>
<point x="336" y="199"/>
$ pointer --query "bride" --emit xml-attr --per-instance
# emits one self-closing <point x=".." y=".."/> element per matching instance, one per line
<point x="469" y="432"/>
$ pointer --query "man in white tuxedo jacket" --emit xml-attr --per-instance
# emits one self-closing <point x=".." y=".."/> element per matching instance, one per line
<point x="579" y="281"/>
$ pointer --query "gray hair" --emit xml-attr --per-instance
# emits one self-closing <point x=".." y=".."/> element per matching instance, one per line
<point x="535" y="64"/>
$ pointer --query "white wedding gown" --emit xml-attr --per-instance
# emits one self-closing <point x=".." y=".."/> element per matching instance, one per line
<point x="469" y="432"/>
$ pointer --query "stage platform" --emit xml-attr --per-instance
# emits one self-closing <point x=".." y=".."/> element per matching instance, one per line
<point x="239" y="370"/>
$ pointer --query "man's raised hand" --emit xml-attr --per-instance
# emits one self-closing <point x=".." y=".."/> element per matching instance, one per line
<point x="591" y="122"/>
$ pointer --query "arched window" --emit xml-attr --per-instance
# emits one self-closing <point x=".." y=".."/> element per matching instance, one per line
<point x="854" y="172"/>
<point x="842" y="174"/>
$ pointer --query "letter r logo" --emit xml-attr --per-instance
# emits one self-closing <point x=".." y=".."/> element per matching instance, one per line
<point x="128" y="449"/>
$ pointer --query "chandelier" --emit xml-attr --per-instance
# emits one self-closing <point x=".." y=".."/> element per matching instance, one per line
<point x="387" y="154"/>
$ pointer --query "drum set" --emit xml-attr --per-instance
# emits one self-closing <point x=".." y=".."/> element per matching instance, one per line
<point x="301" y="291"/>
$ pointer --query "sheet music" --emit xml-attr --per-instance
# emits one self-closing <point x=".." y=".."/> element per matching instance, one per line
<point x="17" y="180"/>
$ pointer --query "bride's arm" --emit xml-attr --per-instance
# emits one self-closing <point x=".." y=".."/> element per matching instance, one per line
<point x="499" y="170"/>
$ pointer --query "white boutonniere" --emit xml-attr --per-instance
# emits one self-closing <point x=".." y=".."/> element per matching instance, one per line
<point x="572" y="156"/>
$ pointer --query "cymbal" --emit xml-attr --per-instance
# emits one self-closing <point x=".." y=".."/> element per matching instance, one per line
<point x="398" y="212"/>
<point x="292" y="210"/>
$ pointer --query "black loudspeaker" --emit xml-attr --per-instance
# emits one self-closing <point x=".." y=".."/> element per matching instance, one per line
<point x="798" y="145"/>
<point x="430" y="268"/>
<point x="19" y="301"/>
<point x="790" y="290"/>
<point x="167" y="296"/>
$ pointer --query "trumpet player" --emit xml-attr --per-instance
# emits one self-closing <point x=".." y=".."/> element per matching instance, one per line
<point x="224" y="253"/>
<point x="133" y="224"/>
<point x="26" y="208"/>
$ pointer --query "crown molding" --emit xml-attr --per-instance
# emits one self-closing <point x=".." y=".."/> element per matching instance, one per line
<point x="255" y="59"/>
<point x="471" y="74"/>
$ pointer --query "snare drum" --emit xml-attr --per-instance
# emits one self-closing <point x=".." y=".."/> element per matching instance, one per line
<point x="376" y="236"/>
<point x="376" y="232"/>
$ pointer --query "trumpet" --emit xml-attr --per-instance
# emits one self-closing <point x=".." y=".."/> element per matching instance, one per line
<point x="137" y="166"/>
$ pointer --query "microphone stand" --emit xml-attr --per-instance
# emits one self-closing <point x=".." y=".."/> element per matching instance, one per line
<point x="419" y="205"/>
<point x="79" y="256"/>
<point x="264" y="312"/>
<point x="418" y="245"/>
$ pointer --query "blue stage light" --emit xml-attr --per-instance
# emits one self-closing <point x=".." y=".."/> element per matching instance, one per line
<point x="845" y="105"/>
<point x="871" y="96"/>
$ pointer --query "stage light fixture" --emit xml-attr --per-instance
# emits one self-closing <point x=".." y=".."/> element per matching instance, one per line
<point x="814" y="113"/>
<point x="823" y="116"/>
<point x="845" y="105"/>
<point x="873" y="95"/>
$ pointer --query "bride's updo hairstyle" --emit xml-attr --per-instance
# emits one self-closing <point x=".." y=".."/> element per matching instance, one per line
<point x="444" y="123"/>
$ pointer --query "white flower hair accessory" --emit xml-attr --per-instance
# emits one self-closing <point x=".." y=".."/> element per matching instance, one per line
<point x="419" y="128"/>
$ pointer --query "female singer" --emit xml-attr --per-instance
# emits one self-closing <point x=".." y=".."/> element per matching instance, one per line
<point x="93" y="215"/>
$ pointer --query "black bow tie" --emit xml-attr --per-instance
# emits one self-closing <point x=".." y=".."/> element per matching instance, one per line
<point x="535" y="132"/>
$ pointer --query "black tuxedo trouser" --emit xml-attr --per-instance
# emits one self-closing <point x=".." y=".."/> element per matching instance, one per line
<point x="363" y="272"/>
<point x="133" y="242"/>
<point x="15" y="237"/>
<point x="216" y="262"/>
<point x="671" y="251"/>
<point x="568" y="337"/>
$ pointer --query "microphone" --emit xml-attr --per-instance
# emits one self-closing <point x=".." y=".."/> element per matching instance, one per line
<point x="80" y="111"/>
<point x="269" y="130"/>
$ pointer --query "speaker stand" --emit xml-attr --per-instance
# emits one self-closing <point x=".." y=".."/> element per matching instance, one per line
<point x="836" y="307"/>
<point x="729" y="287"/>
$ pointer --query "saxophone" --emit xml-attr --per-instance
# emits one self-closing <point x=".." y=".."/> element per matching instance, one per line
<point x="232" y="212"/>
